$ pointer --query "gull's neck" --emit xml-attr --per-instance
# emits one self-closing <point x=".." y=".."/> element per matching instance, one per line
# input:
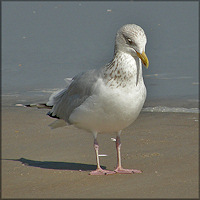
<point x="123" y="69"/>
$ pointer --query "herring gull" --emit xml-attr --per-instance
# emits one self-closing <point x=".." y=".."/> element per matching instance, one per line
<point x="108" y="99"/>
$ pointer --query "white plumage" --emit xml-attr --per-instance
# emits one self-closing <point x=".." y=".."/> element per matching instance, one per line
<point x="108" y="99"/>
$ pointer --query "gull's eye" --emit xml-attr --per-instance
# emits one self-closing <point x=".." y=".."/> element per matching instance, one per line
<point x="129" y="41"/>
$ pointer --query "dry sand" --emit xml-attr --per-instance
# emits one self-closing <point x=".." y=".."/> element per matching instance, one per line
<point x="38" y="162"/>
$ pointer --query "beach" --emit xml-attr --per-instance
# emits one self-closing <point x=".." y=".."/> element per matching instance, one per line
<point x="38" y="162"/>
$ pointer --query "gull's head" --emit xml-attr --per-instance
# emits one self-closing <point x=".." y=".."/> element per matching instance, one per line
<point x="131" y="39"/>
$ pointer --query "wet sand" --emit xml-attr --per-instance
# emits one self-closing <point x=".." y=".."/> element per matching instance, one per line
<point x="38" y="162"/>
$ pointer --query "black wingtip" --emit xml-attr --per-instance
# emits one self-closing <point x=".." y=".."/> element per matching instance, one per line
<point x="51" y="115"/>
<point x="28" y="105"/>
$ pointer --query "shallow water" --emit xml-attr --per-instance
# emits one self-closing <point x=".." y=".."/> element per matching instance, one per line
<point x="172" y="109"/>
<point x="45" y="42"/>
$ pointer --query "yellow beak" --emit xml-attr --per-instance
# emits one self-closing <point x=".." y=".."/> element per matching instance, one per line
<point x="143" y="58"/>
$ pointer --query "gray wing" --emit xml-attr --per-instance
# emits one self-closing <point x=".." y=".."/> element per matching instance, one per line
<point x="66" y="100"/>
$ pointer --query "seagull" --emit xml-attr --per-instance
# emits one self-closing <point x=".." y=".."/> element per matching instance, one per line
<point x="108" y="99"/>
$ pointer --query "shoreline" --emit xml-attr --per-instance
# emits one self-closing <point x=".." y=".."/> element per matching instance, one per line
<point x="187" y="102"/>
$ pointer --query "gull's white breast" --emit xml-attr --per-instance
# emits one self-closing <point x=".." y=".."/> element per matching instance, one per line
<point x="110" y="109"/>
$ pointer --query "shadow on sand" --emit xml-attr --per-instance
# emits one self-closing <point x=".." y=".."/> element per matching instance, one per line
<point x="56" y="165"/>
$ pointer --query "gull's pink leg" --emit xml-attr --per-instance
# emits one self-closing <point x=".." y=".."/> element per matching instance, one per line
<point x="99" y="170"/>
<point x="119" y="168"/>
